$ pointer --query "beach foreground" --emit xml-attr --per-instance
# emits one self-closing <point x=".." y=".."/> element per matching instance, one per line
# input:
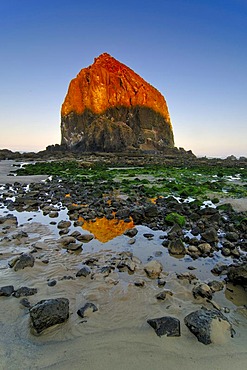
<point x="111" y="271"/>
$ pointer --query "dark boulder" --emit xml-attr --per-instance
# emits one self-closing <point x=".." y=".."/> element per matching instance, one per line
<point x="49" y="312"/>
<point x="25" y="260"/>
<point x="167" y="325"/>
<point x="6" y="291"/>
<point x="201" y="324"/>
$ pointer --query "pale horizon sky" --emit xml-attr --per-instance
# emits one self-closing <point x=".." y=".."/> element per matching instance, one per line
<point x="194" y="52"/>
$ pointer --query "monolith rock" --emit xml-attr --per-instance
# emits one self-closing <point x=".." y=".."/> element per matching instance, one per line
<point x="110" y="108"/>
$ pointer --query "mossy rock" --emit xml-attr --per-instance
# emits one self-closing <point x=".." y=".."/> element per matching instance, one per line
<point x="175" y="218"/>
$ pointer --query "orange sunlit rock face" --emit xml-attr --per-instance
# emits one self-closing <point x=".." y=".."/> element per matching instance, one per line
<point x="110" y="108"/>
<point x="108" y="83"/>
<point x="104" y="229"/>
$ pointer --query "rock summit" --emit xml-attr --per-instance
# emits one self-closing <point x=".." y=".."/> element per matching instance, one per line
<point x="110" y="108"/>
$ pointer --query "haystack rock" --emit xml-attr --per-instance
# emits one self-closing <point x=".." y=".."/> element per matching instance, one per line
<point x="110" y="108"/>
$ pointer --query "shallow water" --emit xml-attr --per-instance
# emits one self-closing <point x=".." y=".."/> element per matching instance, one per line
<point x="117" y="336"/>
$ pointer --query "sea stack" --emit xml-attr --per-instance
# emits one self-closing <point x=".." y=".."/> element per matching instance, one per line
<point x="110" y="108"/>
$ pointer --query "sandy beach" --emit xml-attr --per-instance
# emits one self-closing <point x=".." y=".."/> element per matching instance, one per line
<point x="117" y="336"/>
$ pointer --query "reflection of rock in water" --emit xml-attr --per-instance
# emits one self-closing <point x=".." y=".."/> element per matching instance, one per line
<point x="105" y="229"/>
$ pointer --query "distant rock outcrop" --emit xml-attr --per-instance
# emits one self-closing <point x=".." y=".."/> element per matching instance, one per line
<point x="110" y="108"/>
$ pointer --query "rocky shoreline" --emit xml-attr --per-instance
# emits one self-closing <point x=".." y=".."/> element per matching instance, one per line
<point x="191" y="235"/>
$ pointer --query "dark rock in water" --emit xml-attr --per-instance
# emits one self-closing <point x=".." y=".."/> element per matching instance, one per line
<point x="63" y="224"/>
<point x="201" y="324"/>
<point x="49" y="312"/>
<point x="24" y="260"/>
<point x="153" y="269"/>
<point x="219" y="269"/>
<point x="176" y="246"/>
<point x="87" y="309"/>
<point x="24" y="291"/>
<point x="167" y="325"/>
<point x="237" y="274"/>
<point x="6" y="291"/>
<point x="84" y="271"/>
<point x="109" y="108"/>
<point x="148" y="235"/>
<point x="131" y="232"/>
<point x="85" y="238"/>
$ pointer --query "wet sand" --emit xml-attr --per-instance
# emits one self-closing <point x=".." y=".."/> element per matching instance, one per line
<point x="6" y="166"/>
<point x="117" y="336"/>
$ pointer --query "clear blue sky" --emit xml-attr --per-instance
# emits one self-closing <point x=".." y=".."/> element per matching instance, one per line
<point x="193" y="51"/>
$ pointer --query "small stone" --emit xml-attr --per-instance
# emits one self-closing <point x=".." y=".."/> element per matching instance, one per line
<point x="139" y="283"/>
<point x="210" y="235"/>
<point x="84" y="271"/>
<point x="167" y="325"/>
<point x="25" y="302"/>
<point x="148" y="235"/>
<point x="53" y="214"/>
<point x="187" y="276"/>
<point x="87" y="309"/>
<point x="23" y="261"/>
<point x="6" y="291"/>
<point x="205" y="248"/>
<point x="202" y="290"/>
<point x="225" y="252"/>
<point x="24" y="291"/>
<point x="85" y="238"/>
<point x="176" y="246"/>
<point x="131" y="232"/>
<point x="52" y="282"/>
<point x="216" y="286"/>
<point x="63" y="224"/>
<point x="153" y="269"/>
<point x="161" y="282"/>
<point x="163" y="295"/>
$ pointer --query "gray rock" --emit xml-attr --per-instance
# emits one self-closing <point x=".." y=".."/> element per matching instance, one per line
<point x="164" y="294"/>
<point x="24" y="292"/>
<point x="232" y="236"/>
<point x="202" y="290"/>
<point x="205" y="248"/>
<point x="6" y="291"/>
<point x="216" y="285"/>
<point x="131" y="232"/>
<point x="23" y="261"/>
<point x="176" y="246"/>
<point x="63" y="224"/>
<point x="204" y="323"/>
<point x="25" y="303"/>
<point x="87" y="309"/>
<point x="49" y="312"/>
<point x="237" y="274"/>
<point x="167" y="325"/>
<point x="84" y="271"/>
<point x="52" y="282"/>
<point x="210" y="235"/>
<point x="153" y="269"/>
<point x="85" y="238"/>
